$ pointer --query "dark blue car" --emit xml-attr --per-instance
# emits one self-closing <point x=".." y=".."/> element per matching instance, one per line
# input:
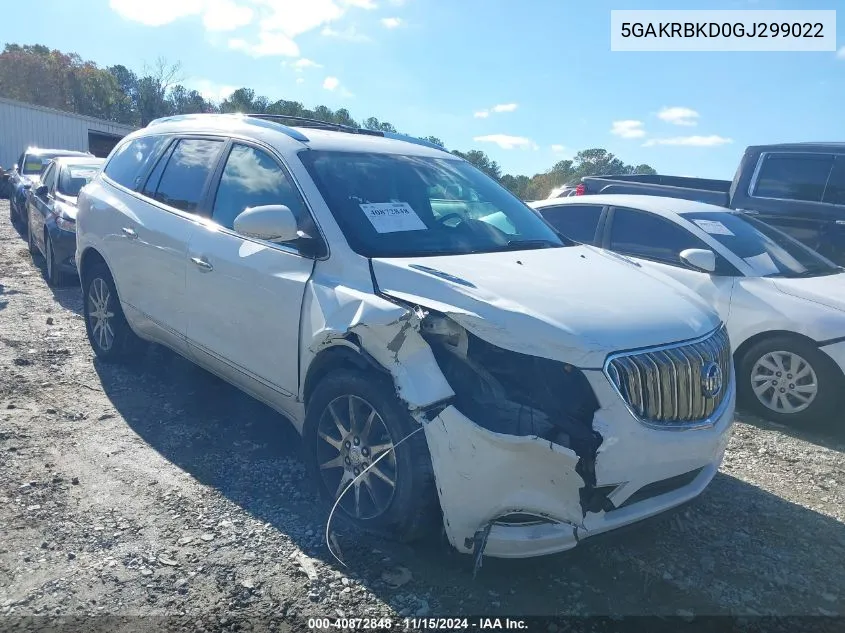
<point x="51" y="213"/>
<point x="27" y="175"/>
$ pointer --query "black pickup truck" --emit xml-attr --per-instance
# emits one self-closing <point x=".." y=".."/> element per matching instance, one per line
<point x="796" y="187"/>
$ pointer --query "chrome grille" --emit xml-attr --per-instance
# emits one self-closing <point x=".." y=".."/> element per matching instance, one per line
<point x="666" y="386"/>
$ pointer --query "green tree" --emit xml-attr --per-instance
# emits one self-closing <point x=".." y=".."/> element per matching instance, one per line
<point x="482" y="161"/>
<point x="435" y="140"/>
<point x="36" y="74"/>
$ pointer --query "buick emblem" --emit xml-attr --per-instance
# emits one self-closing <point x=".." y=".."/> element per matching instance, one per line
<point x="711" y="379"/>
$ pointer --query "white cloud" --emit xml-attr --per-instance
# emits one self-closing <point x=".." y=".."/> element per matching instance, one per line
<point x="841" y="53"/>
<point x="350" y="34"/>
<point x="156" y="12"/>
<point x="217" y="15"/>
<point x="628" y="129"/>
<point x="209" y="89"/>
<point x="269" y="43"/>
<point x="331" y="83"/>
<point x="391" y="23"/>
<point x="692" y="141"/>
<point x="679" y="116"/>
<point x="502" y="107"/>
<point x="225" y="15"/>
<point x="506" y="141"/>
<point x="303" y="63"/>
<point x="558" y="148"/>
<point x="300" y="80"/>
<point x="361" y="4"/>
<point x="282" y="20"/>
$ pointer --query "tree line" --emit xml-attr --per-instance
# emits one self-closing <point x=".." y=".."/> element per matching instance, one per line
<point x="64" y="81"/>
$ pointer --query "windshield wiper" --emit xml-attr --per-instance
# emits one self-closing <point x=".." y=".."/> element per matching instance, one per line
<point x="810" y="272"/>
<point x="518" y="245"/>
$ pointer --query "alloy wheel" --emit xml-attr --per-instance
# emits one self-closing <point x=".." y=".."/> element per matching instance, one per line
<point x="100" y="314"/>
<point x="784" y="382"/>
<point x="352" y="435"/>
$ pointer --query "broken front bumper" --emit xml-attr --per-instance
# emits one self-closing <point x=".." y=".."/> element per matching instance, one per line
<point x="485" y="478"/>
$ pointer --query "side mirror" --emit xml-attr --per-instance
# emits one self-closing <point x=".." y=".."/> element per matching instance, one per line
<point x="41" y="191"/>
<point x="272" y="222"/>
<point x="700" y="259"/>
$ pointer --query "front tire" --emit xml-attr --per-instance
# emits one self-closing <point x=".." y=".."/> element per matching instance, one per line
<point x="352" y="419"/>
<point x="789" y="381"/>
<point x="108" y="331"/>
<point x="13" y="215"/>
<point x="30" y="244"/>
<point x="55" y="277"/>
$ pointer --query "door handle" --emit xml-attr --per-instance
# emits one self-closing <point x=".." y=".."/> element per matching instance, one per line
<point x="129" y="233"/>
<point x="204" y="265"/>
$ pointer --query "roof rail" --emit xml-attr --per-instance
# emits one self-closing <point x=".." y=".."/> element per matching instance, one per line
<point x="413" y="139"/>
<point x="318" y="124"/>
<point x="289" y="131"/>
<point x="258" y="118"/>
<point x="305" y="122"/>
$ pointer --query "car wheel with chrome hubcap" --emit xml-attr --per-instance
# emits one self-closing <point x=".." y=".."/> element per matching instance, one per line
<point x="789" y="380"/>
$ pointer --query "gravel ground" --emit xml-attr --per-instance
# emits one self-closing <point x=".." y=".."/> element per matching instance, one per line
<point x="157" y="489"/>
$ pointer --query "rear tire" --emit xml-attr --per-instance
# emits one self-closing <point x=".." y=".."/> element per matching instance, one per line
<point x="409" y="509"/>
<point x="790" y="381"/>
<point x="109" y="333"/>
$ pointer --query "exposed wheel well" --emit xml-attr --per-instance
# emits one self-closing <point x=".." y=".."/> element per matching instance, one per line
<point x="753" y="340"/>
<point x="332" y="359"/>
<point x="90" y="257"/>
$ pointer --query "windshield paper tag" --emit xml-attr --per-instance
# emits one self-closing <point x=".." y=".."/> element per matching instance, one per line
<point x="713" y="227"/>
<point x="391" y="217"/>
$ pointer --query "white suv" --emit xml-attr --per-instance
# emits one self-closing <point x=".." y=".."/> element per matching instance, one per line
<point x="373" y="288"/>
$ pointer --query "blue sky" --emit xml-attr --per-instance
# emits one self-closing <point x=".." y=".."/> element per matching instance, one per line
<point x="442" y="67"/>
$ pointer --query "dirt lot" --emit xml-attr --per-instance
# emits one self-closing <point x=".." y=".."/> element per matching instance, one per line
<point x="158" y="489"/>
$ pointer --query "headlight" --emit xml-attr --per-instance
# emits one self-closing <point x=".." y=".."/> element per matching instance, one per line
<point x="66" y="224"/>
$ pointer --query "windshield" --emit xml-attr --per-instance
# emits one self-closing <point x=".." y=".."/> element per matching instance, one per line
<point x="33" y="165"/>
<point x="74" y="177"/>
<point x="768" y="251"/>
<point x="390" y="205"/>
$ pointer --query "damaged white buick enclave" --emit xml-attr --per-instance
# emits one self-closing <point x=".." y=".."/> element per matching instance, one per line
<point x="450" y="360"/>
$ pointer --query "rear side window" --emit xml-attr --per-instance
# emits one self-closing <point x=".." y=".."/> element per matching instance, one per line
<point x="835" y="191"/>
<point x="186" y="173"/>
<point x="642" y="234"/>
<point x="129" y="164"/>
<point x="576" y="221"/>
<point x="793" y="177"/>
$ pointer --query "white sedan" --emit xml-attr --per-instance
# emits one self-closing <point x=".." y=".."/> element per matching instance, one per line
<point x="783" y="303"/>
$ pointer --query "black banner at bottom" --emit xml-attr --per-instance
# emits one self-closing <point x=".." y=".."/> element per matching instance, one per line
<point x="530" y="624"/>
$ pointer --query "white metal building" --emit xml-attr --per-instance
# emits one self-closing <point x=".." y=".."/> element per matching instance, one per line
<point x="25" y="125"/>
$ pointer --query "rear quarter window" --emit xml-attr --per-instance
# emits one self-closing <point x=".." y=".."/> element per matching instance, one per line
<point x="130" y="161"/>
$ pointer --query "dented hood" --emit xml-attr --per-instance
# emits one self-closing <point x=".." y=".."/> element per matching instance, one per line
<point x="572" y="304"/>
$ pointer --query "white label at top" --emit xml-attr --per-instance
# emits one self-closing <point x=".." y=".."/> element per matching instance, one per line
<point x="723" y="30"/>
<point x="713" y="227"/>
<point x="391" y="217"/>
